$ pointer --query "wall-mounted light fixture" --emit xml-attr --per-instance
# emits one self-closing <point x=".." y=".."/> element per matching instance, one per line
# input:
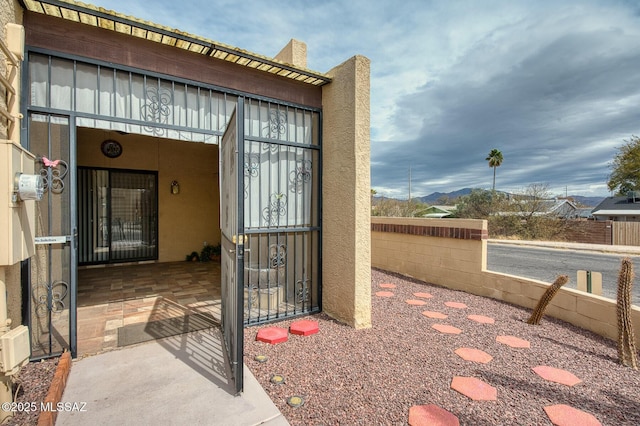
<point x="175" y="187"/>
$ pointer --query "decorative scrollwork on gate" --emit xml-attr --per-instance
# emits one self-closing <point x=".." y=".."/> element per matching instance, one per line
<point x="302" y="290"/>
<point x="53" y="174"/>
<point x="300" y="176"/>
<point x="277" y="255"/>
<point x="276" y="127"/>
<point x="50" y="298"/>
<point x="157" y="109"/>
<point x="251" y="170"/>
<point x="277" y="208"/>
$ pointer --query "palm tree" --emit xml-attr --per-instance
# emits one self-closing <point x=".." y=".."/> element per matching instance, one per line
<point x="495" y="160"/>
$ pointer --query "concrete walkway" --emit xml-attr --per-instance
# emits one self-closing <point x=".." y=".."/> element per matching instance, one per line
<point x="178" y="380"/>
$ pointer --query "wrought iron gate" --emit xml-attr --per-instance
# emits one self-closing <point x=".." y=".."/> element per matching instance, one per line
<point x="52" y="272"/>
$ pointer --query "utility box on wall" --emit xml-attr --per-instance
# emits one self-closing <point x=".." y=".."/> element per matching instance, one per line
<point x="17" y="217"/>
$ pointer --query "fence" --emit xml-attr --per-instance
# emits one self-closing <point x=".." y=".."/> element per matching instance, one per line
<point x="626" y="233"/>
<point x="453" y="253"/>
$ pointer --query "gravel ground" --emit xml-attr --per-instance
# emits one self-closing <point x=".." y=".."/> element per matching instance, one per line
<point x="32" y="385"/>
<point x="373" y="376"/>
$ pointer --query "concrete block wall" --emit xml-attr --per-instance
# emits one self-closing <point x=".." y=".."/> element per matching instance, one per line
<point x="456" y="259"/>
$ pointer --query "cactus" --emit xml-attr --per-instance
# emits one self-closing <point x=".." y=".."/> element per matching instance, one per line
<point x="627" y="353"/>
<point x="538" y="312"/>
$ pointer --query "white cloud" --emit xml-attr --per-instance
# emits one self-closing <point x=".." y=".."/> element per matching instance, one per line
<point x="554" y="85"/>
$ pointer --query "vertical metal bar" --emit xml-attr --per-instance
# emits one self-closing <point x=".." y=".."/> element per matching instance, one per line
<point x="318" y="207"/>
<point x="589" y="285"/>
<point x="48" y="231"/>
<point x="73" y="313"/>
<point x="239" y="333"/>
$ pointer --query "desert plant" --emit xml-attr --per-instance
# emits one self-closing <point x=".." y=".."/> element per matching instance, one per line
<point x="538" y="312"/>
<point x="627" y="353"/>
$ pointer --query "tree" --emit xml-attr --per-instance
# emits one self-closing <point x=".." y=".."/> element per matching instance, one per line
<point x="495" y="160"/>
<point x="625" y="168"/>
<point x="479" y="204"/>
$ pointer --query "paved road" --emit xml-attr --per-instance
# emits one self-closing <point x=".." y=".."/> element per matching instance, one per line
<point x="546" y="264"/>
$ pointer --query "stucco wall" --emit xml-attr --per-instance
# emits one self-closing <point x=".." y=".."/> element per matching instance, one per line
<point x="185" y="220"/>
<point x="346" y="188"/>
<point x="10" y="12"/>
<point x="460" y="263"/>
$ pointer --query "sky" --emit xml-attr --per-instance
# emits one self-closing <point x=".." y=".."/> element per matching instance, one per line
<point x="554" y="85"/>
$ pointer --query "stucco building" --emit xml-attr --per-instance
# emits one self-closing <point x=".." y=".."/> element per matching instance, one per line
<point x="150" y="142"/>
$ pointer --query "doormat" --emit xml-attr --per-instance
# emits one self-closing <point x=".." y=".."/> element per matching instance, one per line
<point x="158" y="329"/>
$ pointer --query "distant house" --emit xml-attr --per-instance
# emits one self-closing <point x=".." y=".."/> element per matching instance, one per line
<point x="560" y="208"/>
<point x="564" y="209"/>
<point x="438" y="211"/>
<point x="621" y="209"/>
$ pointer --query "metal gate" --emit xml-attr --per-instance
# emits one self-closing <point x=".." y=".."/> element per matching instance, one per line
<point x="51" y="288"/>
<point x="232" y="262"/>
<point x="282" y="221"/>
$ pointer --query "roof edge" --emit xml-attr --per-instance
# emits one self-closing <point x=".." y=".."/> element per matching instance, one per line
<point x="209" y="47"/>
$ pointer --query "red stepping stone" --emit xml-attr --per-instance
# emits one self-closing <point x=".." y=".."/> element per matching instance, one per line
<point x="556" y="375"/>
<point x="384" y="294"/>
<point x="272" y="335"/>
<point x="431" y="415"/>
<point x="513" y="341"/>
<point x="482" y="319"/>
<point x="388" y="285"/>
<point x="456" y="305"/>
<point x="474" y="388"/>
<point x="432" y="314"/>
<point x="475" y="355"/>
<point x="416" y="302"/>
<point x="304" y="327"/>
<point x="423" y="295"/>
<point x="566" y="415"/>
<point x="447" y="329"/>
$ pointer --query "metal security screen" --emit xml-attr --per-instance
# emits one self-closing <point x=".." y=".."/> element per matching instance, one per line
<point x="281" y="211"/>
<point x="118" y="215"/>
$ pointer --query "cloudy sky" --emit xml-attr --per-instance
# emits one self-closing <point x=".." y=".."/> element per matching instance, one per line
<point x="554" y="85"/>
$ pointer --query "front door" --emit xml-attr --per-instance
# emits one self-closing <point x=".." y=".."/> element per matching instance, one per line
<point x="232" y="228"/>
<point x="51" y="273"/>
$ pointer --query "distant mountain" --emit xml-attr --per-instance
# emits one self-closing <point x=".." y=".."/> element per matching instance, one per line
<point x="435" y="197"/>
<point x="438" y="197"/>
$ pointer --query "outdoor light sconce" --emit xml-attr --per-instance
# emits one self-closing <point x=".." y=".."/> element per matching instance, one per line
<point x="175" y="187"/>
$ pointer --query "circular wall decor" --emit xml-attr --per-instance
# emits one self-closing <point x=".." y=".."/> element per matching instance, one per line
<point x="111" y="148"/>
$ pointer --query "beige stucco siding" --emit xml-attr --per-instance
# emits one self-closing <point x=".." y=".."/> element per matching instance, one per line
<point x="346" y="184"/>
<point x="10" y="12"/>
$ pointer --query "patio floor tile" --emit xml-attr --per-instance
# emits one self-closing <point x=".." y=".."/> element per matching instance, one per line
<point x="475" y="355"/>
<point x="513" y="341"/>
<point x="416" y="302"/>
<point x="384" y="294"/>
<point x="482" y="319"/>
<point x="566" y="415"/>
<point x="456" y="305"/>
<point x="474" y="388"/>
<point x="447" y="329"/>
<point x="556" y="375"/>
<point x="431" y="415"/>
<point x="432" y="314"/>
